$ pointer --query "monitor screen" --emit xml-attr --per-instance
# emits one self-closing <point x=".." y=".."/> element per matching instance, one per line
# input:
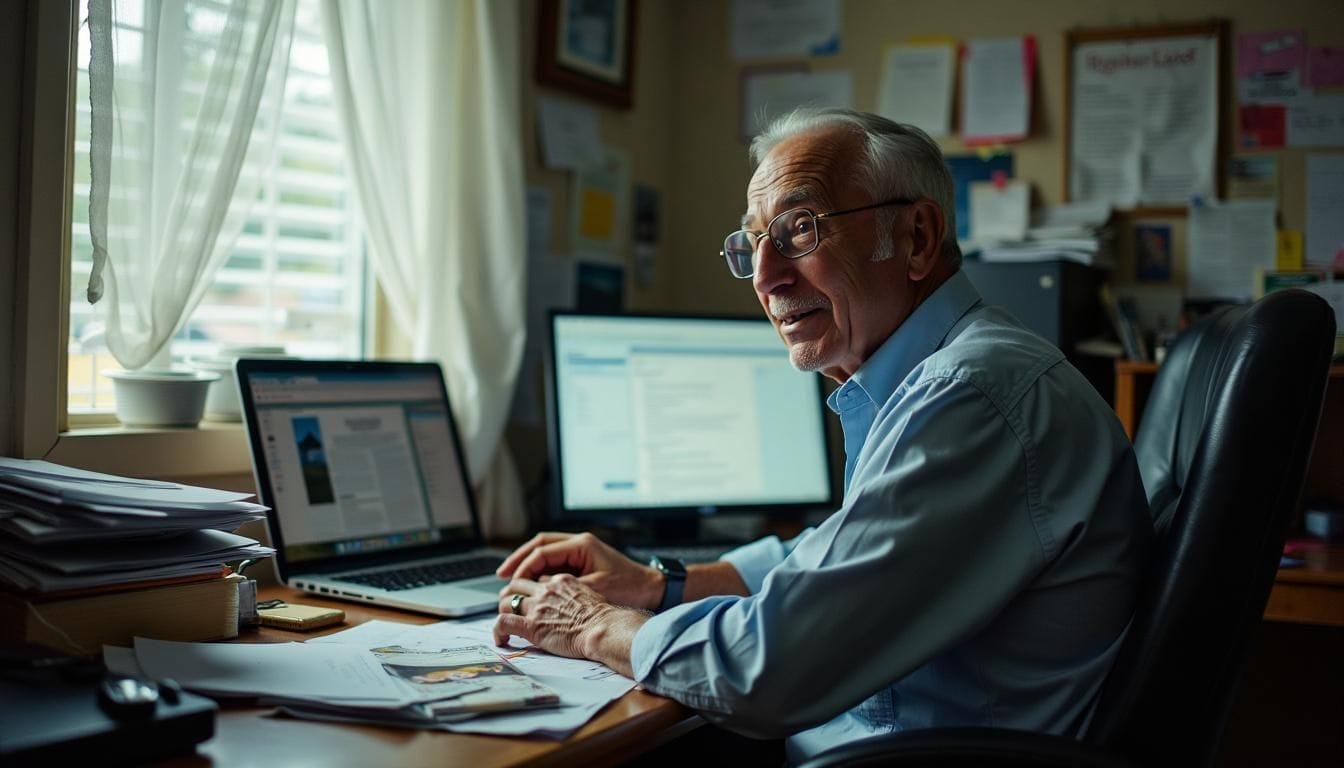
<point x="690" y="415"/>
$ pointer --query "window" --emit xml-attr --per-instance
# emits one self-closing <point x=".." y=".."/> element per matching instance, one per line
<point x="296" y="275"/>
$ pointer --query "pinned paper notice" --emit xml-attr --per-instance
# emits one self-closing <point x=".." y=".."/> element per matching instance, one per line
<point x="1325" y="199"/>
<point x="917" y="84"/>
<point x="996" y="89"/>
<point x="1228" y="242"/>
<point x="999" y="211"/>
<point x="569" y="134"/>
<point x="1289" y="258"/>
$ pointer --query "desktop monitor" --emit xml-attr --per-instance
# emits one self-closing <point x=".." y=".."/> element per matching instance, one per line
<point x="657" y="421"/>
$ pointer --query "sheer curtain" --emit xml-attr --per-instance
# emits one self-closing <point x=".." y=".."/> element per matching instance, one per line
<point x="175" y="91"/>
<point x="429" y="102"/>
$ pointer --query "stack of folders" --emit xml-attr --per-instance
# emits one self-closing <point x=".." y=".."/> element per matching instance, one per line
<point x="88" y="558"/>
<point x="1078" y="232"/>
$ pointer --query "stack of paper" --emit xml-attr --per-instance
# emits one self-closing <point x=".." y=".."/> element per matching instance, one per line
<point x="445" y="676"/>
<point x="66" y="529"/>
<point x="1074" y="232"/>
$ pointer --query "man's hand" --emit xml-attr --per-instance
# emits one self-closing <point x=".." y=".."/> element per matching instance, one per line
<point x="619" y="579"/>
<point x="568" y="618"/>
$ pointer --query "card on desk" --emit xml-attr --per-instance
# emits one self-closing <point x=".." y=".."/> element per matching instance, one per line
<point x="299" y="617"/>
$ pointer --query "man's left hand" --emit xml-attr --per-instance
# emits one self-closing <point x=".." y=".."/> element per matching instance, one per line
<point x="568" y="618"/>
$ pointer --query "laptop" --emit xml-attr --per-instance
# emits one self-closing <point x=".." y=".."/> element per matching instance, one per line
<point x="370" y="501"/>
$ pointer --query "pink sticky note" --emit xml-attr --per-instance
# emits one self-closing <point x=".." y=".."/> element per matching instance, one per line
<point x="1279" y="50"/>
<point x="1325" y="66"/>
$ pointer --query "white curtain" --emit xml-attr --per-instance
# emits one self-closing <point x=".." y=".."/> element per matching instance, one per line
<point x="173" y="111"/>
<point x="428" y="93"/>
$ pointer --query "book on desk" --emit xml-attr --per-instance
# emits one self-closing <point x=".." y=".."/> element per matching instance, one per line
<point x="83" y="622"/>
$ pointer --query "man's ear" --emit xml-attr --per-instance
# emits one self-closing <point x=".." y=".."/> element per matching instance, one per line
<point x="927" y="226"/>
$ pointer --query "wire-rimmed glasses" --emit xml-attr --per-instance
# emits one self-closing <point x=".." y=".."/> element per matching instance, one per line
<point x="793" y="234"/>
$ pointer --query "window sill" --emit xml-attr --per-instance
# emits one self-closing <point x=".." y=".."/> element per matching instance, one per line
<point x="207" y="450"/>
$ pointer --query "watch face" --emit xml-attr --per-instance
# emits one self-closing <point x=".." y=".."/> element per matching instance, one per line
<point x="671" y="567"/>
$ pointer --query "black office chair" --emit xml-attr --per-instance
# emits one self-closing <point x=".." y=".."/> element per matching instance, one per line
<point x="1223" y="448"/>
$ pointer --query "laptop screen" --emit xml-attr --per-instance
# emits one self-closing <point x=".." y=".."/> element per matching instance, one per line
<point x="355" y="458"/>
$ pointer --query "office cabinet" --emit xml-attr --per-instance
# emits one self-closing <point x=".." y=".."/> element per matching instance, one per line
<point x="1060" y="300"/>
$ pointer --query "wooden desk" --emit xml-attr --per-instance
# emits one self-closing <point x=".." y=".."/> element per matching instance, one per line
<point x="633" y="724"/>
<point x="1314" y="593"/>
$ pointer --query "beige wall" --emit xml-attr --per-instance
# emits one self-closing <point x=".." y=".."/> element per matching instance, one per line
<point x="683" y="132"/>
<point x="710" y="169"/>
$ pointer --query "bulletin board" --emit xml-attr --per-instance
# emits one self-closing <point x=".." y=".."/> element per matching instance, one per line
<point x="1144" y="109"/>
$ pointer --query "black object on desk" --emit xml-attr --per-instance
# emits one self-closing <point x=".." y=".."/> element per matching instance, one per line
<point x="56" y="710"/>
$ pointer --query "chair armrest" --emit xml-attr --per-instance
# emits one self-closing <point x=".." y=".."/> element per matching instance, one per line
<point x="966" y="747"/>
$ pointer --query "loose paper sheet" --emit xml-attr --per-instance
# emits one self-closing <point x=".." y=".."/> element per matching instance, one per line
<point x="569" y="134"/>
<point x="1325" y="202"/>
<point x="996" y="93"/>
<point x="1229" y="241"/>
<point x="917" y="85"/>
<point x="785" y="28"/>
<point x="1144" y="121"/>
<point x="770" y="94"/>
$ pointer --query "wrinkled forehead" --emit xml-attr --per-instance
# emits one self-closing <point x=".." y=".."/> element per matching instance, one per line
<point x="803" y="171"/>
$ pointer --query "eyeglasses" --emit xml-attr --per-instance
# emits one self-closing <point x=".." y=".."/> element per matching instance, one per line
<point x="793" y="233"/>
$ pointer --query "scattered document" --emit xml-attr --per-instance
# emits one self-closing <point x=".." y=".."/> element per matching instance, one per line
<point x="569" y="134"/>
<point x="917" y="86"/>
<point x="1144" y="121"/>
<point x="996" y="89"/>
<point x="1078" y="232"/>
<point x="1000" y="211"/>
<point x="767" y="95"/>
<point x="1325" y="204"/>
<point x="785" y="28"/>
<point x="1228" y="242"/>
<point x="584" y="686"/>
<point x="288" y="670"/>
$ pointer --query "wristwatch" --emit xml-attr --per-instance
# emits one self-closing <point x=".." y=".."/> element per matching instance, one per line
<point x="674" y="580"/>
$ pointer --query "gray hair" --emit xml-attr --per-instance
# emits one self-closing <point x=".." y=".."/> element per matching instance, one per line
<point x="898" y="160"/>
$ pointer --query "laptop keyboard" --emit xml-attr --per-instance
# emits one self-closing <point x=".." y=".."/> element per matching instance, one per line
<point x="402" y="577"/>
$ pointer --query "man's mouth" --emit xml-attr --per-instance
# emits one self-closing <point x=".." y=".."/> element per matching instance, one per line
<point x="790" y="319"/>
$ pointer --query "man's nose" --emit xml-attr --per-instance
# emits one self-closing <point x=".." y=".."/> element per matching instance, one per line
<point x="773" y="271"/>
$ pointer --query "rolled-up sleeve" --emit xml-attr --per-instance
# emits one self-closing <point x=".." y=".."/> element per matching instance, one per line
<point x="874" y="591"/>
<point x="753" y="561"/>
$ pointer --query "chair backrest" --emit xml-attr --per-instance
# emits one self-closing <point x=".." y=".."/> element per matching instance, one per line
<point x="1223" y="448"/>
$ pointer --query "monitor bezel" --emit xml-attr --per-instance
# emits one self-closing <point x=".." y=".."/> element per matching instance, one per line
<point x="565" y="516"/>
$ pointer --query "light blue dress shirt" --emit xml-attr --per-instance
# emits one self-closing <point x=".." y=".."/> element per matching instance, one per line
<point x="981" y="571"/>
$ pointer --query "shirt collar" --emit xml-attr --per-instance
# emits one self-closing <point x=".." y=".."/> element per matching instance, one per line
<point x="919" y="336"/>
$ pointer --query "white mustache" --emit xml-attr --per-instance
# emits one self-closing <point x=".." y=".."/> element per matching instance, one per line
<point x="784" y="306"/>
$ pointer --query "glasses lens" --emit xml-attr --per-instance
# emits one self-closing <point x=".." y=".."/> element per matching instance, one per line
<point x="794" y="233"/>
<point x="738" y="249"/>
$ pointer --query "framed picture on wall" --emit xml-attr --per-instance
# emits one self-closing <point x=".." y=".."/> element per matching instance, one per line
<point x="587" y="47"/>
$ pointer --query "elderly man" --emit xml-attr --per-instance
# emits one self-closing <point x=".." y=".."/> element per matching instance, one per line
<point x="985" y="562"/>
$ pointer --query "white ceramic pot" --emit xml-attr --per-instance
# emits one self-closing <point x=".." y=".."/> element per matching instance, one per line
<point x="160" y="398"/>
<point x="222" y="403"/>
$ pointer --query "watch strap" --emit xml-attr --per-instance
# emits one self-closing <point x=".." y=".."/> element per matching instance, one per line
<point x="674" y="581"/>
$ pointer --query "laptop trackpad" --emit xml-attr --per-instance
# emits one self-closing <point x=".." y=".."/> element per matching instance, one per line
<point x="491" y="586"/>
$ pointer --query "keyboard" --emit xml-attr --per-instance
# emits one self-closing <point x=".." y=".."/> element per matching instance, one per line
<point x="402" y="577"/>
<point x="686" y="553"/>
